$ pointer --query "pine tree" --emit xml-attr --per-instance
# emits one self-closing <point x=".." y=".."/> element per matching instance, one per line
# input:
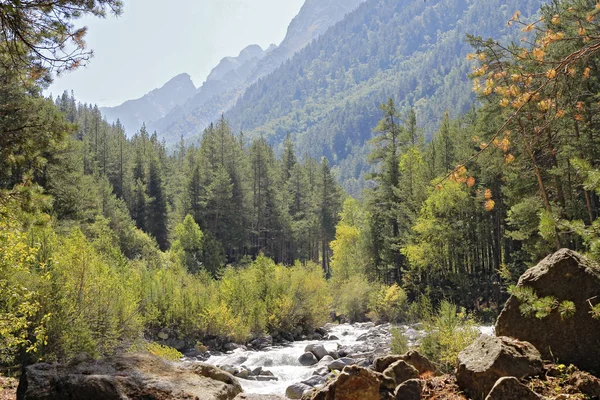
<point x="156" y="209"/>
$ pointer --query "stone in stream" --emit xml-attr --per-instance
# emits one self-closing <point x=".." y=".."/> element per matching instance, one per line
<point x="296" y="390"/>
<point x="317" y="349"/>
<point x="567" y="276"/>
<point x="509" y="388"/>
<point x="315" y="380"/>
<point x="340" y="363"/>
<point x="127" y="376"/>
<point x="489" y="358"/>
<point x="325" y="361"/>
<point x="307" y="359"/>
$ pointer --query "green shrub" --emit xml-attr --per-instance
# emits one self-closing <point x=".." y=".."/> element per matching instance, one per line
<point x="387" y="304"/>
<point x="399" y="342"/>
<point x="447" y="333"/>
<point x="420" y="310"/>
<point x="351" y="298"/>
<point x="162" y="351"/>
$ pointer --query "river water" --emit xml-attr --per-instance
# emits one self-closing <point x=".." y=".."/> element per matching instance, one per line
<point x="282" y="361"/>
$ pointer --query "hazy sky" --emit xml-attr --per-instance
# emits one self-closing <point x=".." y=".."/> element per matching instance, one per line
<point x="154" y="40"/>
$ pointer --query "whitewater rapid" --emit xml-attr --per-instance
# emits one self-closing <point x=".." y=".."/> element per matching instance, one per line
<point x="282" y="361"/>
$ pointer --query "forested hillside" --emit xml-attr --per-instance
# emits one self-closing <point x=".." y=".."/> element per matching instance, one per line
<point x="327" y="96"/>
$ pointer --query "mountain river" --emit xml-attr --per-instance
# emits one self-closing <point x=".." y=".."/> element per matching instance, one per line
<point x="282" y="360"/>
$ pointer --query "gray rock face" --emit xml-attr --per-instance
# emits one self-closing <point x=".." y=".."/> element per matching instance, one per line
<point x="409" y="390"/>
<point x="128" y="376"/>
<point x="317" y="349"/>
<point x="565" y="275"/>
<point x="296" y="390"/>
<point x="307" y="359"/>
<point x="400" y="372"/>
<point x="490" y="358"/>
<point x="509" y="388"/>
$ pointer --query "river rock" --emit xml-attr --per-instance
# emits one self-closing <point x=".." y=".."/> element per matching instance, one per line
<point x="127" y="376"/>
<point x="321" y="371"/>
<point x="340" y="363"/>
<point x="509" y="388"/>
<point x="409" y="390"/>
<point x="296" y="390"/>
<point x="248" y="396"/>
<point x="315" y="380"/>
<point x="325" y="361"/>
<point x="354" y="383"/>
<point x="317" y="349"/>
<point x="565" y="275"/>
<point x="489" y="358"/>
<point x="400" y="371"/>
<point x="307" y="359"/>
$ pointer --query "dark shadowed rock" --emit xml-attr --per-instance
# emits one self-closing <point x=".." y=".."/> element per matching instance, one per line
<point x="307" y="359"/>
<point x="509" y="388"/>
<point x="354" y="383"/>
<point x="586" y="384"/>
<point x="401" y="371"/>
<point x="409" y="390"/>
<point x="489" y="358"/>
<point x="128" y="376"/>
<point x="565" y="275"/>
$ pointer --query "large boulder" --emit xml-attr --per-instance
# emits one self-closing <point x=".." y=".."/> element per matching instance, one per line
<point x="400" y="372"/>
<point x="413" y="357"/>
<point x="489" y="358"/>
<point x="307" y="359"/>
<point x="296" y="390"/>
<point x="354" y="383"/>
<point x="565" y="275"/>
<point x="509" y="388"/>
<point x="317" y="349"/>
<point x="128" y="376"/>
<point x="409" y="390"/>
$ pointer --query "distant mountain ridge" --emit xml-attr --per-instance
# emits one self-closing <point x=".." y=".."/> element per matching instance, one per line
<point x="152" y="106"/>
<point x="215" y="97"/>
<point x="198" y="107"/>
